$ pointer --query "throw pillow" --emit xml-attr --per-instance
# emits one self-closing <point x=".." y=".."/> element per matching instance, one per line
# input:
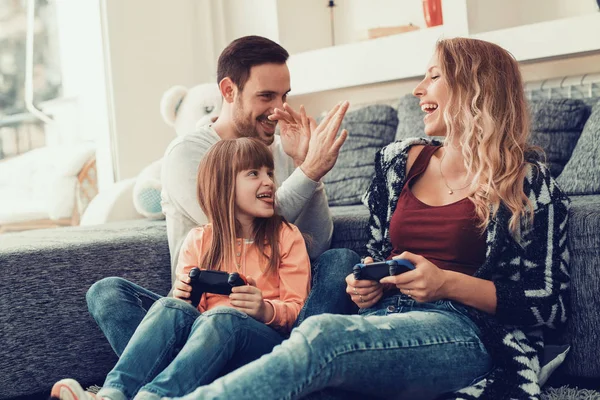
<point x="410" y="118"/>
<point x="556" y="125"/>
<point x="369" y="129"/>
<point x="581" y="175"/>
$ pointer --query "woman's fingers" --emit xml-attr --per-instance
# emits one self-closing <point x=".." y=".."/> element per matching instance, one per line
<point x="374" y="301"/>
<point x="367" y="300"/>
<point x="361" y="283"/>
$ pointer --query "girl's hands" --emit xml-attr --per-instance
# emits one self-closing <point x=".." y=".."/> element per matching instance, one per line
<point x="425" y="283"/>
<point x="249" y="299"/>
<point x="182" y="288"/>
<point x="364" y="293"/>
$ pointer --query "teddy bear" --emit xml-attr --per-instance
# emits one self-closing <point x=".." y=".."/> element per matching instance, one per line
<point x="185" y="110"/>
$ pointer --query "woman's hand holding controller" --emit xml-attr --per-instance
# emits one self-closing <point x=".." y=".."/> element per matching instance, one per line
<point x="182" y="289"/>
<point x="364" y="293"/>
<point x="425" y="283"/>
<point x="249" y="299"/>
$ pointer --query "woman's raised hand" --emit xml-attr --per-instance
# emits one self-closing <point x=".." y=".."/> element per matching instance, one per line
<point x="425" y="283"/>
<point x="364" y="293"/>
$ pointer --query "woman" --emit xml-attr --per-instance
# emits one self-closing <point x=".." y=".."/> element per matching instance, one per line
<point x="485" y="226"/>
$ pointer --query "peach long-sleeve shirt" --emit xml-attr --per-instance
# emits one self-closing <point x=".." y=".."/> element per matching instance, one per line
<point x="286" y="290"/>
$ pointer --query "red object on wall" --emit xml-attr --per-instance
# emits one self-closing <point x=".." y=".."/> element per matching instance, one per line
<point x="432" y="10"/>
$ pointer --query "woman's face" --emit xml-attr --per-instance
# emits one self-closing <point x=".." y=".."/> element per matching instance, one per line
<point x="433" y="93"/>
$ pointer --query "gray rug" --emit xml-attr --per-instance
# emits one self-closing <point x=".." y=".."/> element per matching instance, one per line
<point x="568" y="393"/>
<point x="561" y="393"/>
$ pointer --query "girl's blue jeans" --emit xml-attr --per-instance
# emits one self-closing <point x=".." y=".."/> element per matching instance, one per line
<point x="176" y="349"/>
<point x="398" y="349"/>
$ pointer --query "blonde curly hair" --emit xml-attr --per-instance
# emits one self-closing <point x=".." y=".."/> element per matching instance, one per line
<point x="487" y="115"/>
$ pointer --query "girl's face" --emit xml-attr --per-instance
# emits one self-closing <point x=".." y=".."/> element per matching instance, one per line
<point x="434" y="93"/>
<point x="254" y="194"/>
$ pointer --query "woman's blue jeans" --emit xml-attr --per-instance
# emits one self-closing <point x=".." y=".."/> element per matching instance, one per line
<point x="398" y="349"/>
<point x="175" y="349"/>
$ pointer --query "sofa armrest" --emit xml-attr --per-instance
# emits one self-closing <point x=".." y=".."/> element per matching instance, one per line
<point x="583" y="325"/>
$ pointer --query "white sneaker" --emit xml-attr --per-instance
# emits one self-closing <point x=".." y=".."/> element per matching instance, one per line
<point x="70" y="389"/>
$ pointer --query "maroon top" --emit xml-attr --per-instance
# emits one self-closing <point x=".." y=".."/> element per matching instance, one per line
<point x="445" y="235"/>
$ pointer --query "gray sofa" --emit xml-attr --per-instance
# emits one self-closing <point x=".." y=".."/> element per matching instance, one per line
<point x="47" y="334"/>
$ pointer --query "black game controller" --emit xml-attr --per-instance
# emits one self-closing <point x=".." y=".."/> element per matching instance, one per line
<point x="208" y="281"/>
<point x="378" y="270"/>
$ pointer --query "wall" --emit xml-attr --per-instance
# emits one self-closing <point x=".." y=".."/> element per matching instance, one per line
<point x="250" y="17"/>
<point x="489" y="15"/>
<point x="296" y="16"/>
<point x="362" y="15"/>
<point x="151" y="48"/>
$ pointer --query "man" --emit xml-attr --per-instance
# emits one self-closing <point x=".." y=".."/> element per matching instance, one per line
<point x="254" y="81"/>
<point x="252" y="91"/>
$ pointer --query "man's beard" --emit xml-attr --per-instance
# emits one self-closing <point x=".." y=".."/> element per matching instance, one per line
<point x="244" y="125"/>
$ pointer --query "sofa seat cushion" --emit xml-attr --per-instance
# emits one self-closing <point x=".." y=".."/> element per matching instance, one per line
<point x="369" y="129"/>
<point x="581" y="175"/>
<point x="350" y="228"/>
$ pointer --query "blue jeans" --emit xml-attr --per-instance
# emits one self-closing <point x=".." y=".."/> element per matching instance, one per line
<point x="397" y="349"/>
<point x="118" y="306"/>
<point x="176" y="349"/>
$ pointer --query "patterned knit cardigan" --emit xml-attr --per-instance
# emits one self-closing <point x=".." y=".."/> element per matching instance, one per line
<point x="531" y="274"/>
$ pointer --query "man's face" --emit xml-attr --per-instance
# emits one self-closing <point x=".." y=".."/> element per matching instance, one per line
<point x="266" y="89"/>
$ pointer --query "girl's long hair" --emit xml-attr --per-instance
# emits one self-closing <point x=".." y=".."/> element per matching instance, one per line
<point x="487" y="115"/>
<point x="216" y="194"/>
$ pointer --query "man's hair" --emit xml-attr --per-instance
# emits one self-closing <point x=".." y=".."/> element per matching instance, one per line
<point x="244" y="53"/>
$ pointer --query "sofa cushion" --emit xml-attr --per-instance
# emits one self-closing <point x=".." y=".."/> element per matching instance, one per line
<point x="556" y="125"/>
<point x="369" y="129"/>
<point x="410" y="118"/>
<point x="350" y="225"/>
<point x="581" y="175"/>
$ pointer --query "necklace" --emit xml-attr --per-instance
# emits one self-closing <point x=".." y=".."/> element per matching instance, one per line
<point x="450" y="190"/>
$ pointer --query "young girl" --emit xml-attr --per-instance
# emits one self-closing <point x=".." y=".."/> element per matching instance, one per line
<point x="485" y="226"/>
<point x="177" y="348"/>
